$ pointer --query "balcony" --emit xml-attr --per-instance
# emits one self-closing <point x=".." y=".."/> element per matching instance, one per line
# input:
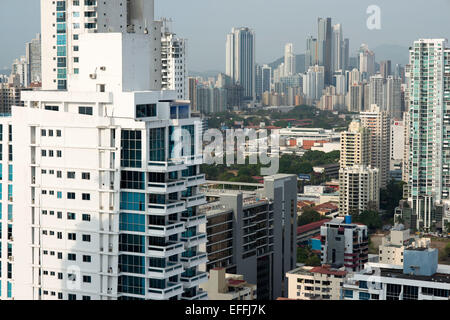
<point x="201" y="295"/>
<point x="167" y="166"/>
<point x="165" y="251"/>
<point x="166" y="209"/>
<point x="169" y="187"/>
<point x="173" y="290"/>
<point x="194" y="201"/>
<point x="166" y="231"/>
<point x="199" y="278"/>
<point x="195" y="240"/>
<point x="198" y="259"/>
<point x="194" y="221"/>
<point x="164" y="273"/>
<point x="195" y="180"/>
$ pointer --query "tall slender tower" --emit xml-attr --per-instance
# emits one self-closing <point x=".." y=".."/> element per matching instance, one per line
<point x="289" y="60"/>
<point x="324" y="44"/>
<point x="62" y="23"/>
<point x="240" y="60"/>
<point x="429" y="126"/>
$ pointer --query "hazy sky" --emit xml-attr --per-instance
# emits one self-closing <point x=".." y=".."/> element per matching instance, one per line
<point x="205" y="24"/>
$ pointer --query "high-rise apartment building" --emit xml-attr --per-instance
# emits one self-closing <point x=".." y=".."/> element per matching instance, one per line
<point x="429" y="127"/>
<point x="174" y="70"/>
<point x="289" y="60"/>
<point x="386" y="68"/>
<point x="266" y="78"/>
<point x="63" y="22"/>
<point x="240" y="60"/>
<point x="366" y="61"/>
<point x="253" y="233"/>
<point x="379" y="124"/>
<point x="105" y="203"/>
<point x="359" y="189"/>
<point x="355" y="145"/>
<point x="314" y="83"/>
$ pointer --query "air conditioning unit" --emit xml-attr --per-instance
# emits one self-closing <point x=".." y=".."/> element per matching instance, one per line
<point x="93" y="76"/>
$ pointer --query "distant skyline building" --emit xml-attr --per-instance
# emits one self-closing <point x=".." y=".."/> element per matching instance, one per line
<point x="324" y="45"/>
<point x="240" y="60"/>
<point x="289" y="60"/>
<point x="314" y="83"/>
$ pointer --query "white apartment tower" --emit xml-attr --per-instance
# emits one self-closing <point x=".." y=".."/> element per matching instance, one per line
<point x="105" y="203"/>
<point x="174" y="62"/>
<point x="62" y="23"/>
<point x="289" y="60"/>
<point x="429" y="127"/>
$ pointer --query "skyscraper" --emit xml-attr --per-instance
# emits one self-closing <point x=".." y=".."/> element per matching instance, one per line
<point x="62" y="23"/>
<point x="34" y="60"/>
<point x="314" y="83"/>
<point x="266" y="78"/>
<point x="429" y="125"/>
<point x="240" y="60"/>
<point x="311" y="54"/>
<point x="366" y="61"/>
<point x="338" y="49"/>
<point x="105" y="203"/>
<point x="324" y="44"/>
<point x="289" y="60"/>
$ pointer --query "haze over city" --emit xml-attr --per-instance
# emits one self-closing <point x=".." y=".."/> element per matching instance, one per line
<point x="205" y="24"/>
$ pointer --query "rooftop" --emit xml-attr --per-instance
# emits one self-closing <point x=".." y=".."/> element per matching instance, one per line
<point x="311" y="226"/>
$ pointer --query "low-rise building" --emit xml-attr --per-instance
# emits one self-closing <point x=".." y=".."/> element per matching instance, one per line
<point x="419" y="278"/>
<point x="225" y="286"/>
<point x="391" y="250"/>
<point x="309" y="283"/>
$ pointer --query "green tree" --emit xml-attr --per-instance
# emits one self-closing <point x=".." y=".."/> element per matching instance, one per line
<point x="308" y="216"/>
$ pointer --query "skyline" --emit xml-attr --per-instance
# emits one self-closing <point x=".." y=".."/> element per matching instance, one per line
<point x="299" y="22"/>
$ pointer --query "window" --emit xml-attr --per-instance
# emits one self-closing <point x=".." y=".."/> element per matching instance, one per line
<point x="86" y="196"/>
<point x="86" y="238"/>
<point x="71" y="296"/>
<point x="70" y="175"/>
<point x="132" y="222"/>
<point x="59" y="235"/>
<point x="85" y="110"/>
<point x="145" y="110"/>
<point x="72" y="236"/>
<point x="86" y="176"/>
<point x="58" y="133"/>
<point x="131" y="151"/>
<point x="72" y="257"/>
<point x="87" y="279"/>
<point x="87" y="259"/>
<point x="157" y="146"/>
<point x="132" y="201"/>
<point x="43" y="132"/>
<point x="71" y="195"/>
<point x="86" y="217"/>
<point x="59" y="153"/>
<point x="70" y="216"/>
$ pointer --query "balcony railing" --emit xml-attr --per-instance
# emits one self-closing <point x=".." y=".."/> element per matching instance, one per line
<point x="166" y="231"/>
<point x="163" y="251"/>
<point x="174" y="289"/>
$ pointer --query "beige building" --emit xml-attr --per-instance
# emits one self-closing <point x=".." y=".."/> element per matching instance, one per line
<point x="355" y="143"/>
<point x="392" y="246"/>
<point x="224" y="286"/>
<point x="378" y="122"/>
<point x="312" y="283"/>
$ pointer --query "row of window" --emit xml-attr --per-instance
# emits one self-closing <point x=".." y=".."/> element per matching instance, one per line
<point x="70" y="195"/>
<point x="70" y="215"/>
<point x="70" y="236"/>
<point x="70" y="256"/>
<point x="69" y="296"/>
<point x="51" y="133"/>
<point x="51" y="153"/>
<point x="70" y="276"/>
